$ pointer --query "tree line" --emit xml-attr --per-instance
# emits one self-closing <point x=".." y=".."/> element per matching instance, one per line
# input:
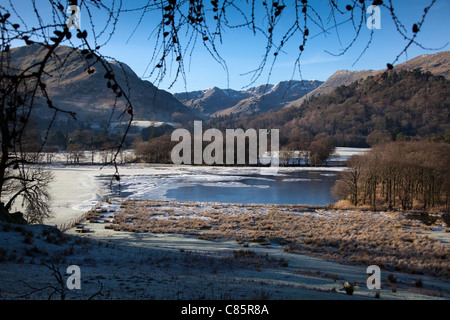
<point x="309" y="153"/>
<point x="403" y="175"/>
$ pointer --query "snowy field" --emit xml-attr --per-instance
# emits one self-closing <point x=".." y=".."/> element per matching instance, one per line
<point x="123" y="265"/>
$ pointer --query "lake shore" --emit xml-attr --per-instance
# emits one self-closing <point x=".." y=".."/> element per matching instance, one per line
<point x="390" y="240"/>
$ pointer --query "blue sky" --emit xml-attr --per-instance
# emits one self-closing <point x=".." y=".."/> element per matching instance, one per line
<point x="243" y="51"/>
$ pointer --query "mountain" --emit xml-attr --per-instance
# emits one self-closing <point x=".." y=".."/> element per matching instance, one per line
<point x="219" y="102"/>
<point x="206" y="103"/>
<point x="437" y="64"/>
<point x="72" y="88"/>
<point x="274" y="98"/>
<point x="339" y="78"/>
<point x="391" y="106"/>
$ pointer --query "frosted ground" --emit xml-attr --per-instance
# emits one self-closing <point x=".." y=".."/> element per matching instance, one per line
<point x="128" y="265"/>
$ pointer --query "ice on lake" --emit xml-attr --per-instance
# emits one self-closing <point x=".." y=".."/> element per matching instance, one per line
<point x="223" y="184"/>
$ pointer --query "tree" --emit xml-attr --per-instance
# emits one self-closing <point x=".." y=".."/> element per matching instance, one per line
<point x="22" y="93"/>
<point x="182" y="25"/>
<point x="156" y="150"/>
<point x="348" y="184"/>
<point x="57" y="139"/>
<point x="76" y="153"/>
<point x="18" y="178"/>
<point x="320" y="150"/>
<point x="402" y="175"/>
<point x="185" y="23"/>
<point x="378" y="137"/>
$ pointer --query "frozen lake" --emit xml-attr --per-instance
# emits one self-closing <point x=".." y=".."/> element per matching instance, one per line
<point x="77" y="189"/>
<point x="236" y="185"/>
<point x="293" y="185"/>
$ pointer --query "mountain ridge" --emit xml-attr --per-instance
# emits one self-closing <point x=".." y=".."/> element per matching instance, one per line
<point x="91" y="99"/>
<point x="66" y="75"/>
<point x="215" y="102"/>
<point x="436" y="63"/>
<point x="212" y="102"/>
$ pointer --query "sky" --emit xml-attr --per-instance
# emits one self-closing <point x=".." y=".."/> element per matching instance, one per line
<point x="243" y="51"/>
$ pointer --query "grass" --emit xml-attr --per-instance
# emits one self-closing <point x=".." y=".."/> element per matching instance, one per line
<point x="386" y="239"/>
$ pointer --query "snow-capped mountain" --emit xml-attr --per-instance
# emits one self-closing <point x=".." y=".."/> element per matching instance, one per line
<point x="215" y="101"/>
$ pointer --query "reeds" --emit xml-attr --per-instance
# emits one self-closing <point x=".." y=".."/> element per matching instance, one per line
<point x="386" y="239"/>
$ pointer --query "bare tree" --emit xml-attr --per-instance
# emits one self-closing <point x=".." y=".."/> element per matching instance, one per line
<point x="399" y="174"/>
<point x="59" y="287"/>
<point x="348" y="184"/>
<point x="23" y="91"/>
<point x="183" y="25"/>
<point x="187" y="24"/>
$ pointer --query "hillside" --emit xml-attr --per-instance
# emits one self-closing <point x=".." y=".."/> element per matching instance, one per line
<point x="215" y="102"/>
<point x="72" y="88"/>
<point x="218" y="102"/>
<point x="437" y="64"/>
<point x="339" y="78"/>
<point x="392" y="106"/>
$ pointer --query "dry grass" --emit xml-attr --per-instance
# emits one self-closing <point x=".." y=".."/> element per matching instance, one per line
<point x="343" y="205"/>
<point x="351" y="237"/>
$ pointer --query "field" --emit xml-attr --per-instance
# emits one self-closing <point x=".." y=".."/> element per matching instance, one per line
<point x="388" y="240"/>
